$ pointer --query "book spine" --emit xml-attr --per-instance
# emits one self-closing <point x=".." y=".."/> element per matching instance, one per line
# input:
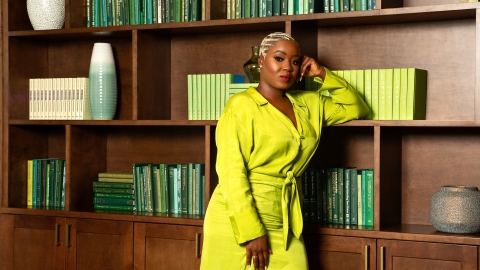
<point x="369" y="214"/>
<point x="113" y="201"/>
<point x="34" y="182"/>
<point x="184" y="188"/>
<point x="112" y="185"/>
<point x="335" y="195"/>
<point x="163" y="171"/>
<point x="353" y="197"/>
<point x="112" y="195"/>
<point x="29" y="182"/>
<point x="190" y="188"/>
<point x="171" y="188"/>
<point x="347" y="192"/>
<point x="364" y="198"/>
<point x="375" y="93"/>
<point x="360" y="199"/>
<point x="341" y="196"/>
<point x="198" y="185"/>
<point x="403" y="93"/>
<point x="148" y="180"/>
<point x="360" y="83"/>
<point x="114" y="207"/>
<point x="388" y="94"/>
<point x="177" y="172"/>
<point x="396" y="94"/>
<point x="156" y="189"/>
<point x="59" y="164"/>
<point x="64" y="184"/>
<point x="329" y="196"/>
<point x="368" y="91"/>
<point x="381" y="94"/>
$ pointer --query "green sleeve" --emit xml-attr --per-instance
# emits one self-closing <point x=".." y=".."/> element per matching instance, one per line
<point x="234" y="138"/>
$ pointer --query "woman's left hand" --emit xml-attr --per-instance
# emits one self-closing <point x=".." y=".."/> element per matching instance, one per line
<point x="311" y="68"/>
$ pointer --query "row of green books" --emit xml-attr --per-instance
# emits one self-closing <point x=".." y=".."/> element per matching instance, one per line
<point x="391" y="94"/>
<point x="237" y="9"/>
<point x="348" y="5"/>
<point x="170" y="188"/>
<point x="132" y="12"/>
<point x="341" y="196"/>
<point x="59" y="99"/>
<point x="114" y="191"/>
<point x="208" y="94"/>
<point x="46" y="183"/>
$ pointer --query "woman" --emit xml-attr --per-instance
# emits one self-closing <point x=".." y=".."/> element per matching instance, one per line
<point x="265" y="139"/>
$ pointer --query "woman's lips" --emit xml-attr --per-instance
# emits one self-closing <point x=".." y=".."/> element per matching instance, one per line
<point x="285" y="78"/>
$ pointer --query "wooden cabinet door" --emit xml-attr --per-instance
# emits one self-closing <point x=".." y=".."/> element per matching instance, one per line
<point x="98" y="244"/>
<point x="162" y="246"/>
<point x="32" y="242"/>
<point x="339" y="252"/>
<point x="399" y="255"/>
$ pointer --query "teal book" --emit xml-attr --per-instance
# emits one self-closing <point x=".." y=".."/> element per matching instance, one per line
<point x="396" y="94"/>
<point x="375" y="94"/>
<point x="416" y="94"/>
<point x="347" y="192"/>
<point x="329" y="196"/>
<point x="370" y="4"/>
<point x="336" y="5"/>
<point x="155" y="16"/>
<point x="112" y="185"/>
<point x="369" y="196"/>
<point x="381" y="94"/>
<point x="148" y="12"/>
<point x="136" y="13"/>
<point x="353" y="197"/>
<point x="113" y="195"/>
<point x="364" y="197"/>
<point x="368" y="91"/>
<point x="156" y="189"/>
<point x="335" y="195"/>
<point x="268" y="9"/>
<point x="110" y="13"/>
<point x="199" y="173"/>
<point x="190" y="188"/>
<point x="359" y="198"/>
<point x="403" y="93"/>
<point x="388" y="94"/>
<point x="275" y="7"/>
<point x="184" y="183"/>
<point x="104" y="13"/>
<point x="262" y="9"/>
<point x="113" y="201"/>
<point x="96" y="13"/>
<point x="48" y="185"/>
<point x="341" y="196"/>
<point x="363" y="5"/>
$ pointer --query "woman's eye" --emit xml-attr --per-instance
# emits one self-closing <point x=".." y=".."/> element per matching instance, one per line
<point x="296" y="62"/>
<point x="279" y="59"/>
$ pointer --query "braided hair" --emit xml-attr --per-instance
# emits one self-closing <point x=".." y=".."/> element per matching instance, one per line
<point x="271" y="39"/>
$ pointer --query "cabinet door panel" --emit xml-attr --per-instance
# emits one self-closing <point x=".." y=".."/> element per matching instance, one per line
<point x="399" y="255"/>
<point x="100" y="244"/>
<point x="338" y="252"/>
<point x="159" y="246"/>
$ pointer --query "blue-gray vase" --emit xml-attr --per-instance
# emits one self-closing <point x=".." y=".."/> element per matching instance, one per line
<point x="102" y="82"/>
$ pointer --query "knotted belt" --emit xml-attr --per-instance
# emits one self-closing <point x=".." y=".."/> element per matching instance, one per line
<point x="291" y="208"/>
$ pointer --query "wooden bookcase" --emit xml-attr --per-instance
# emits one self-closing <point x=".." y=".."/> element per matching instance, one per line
<point x="411" y="159"/>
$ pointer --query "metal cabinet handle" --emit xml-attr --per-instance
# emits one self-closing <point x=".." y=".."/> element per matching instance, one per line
<point x="367" y="252"/>
<point x="197" y="244"/>
<point x="382" y="252"/>
<point x="67" y="235"/>
<point x="57" y="226"/>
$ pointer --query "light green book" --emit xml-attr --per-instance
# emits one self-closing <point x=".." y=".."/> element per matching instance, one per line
<point x="359" y="190"/>
<point x="190" y="95"/>
<point x="416" y="94"/>
<point x="388" y="94"/>
<point x="218" y="96"/>
<point x="195" y="94"/>
<point x="360" y="83"/>
<point x="116" y="180"/>
<point x="381" y="94"/>
<point x="204" y="97"/>
<point x="213" y="97"/>
<point x="374" y="108"/>
<point x="396" y="94"/>
<point x="403" y="93"/>
<point x="223" y="91"/>
<point x="368" y="91"/>
<point x="208" y="92"/>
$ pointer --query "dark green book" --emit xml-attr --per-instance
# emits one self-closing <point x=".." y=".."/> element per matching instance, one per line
<point x="114" y="207"/>
<point x="335" y="195"/>
<point x="59" y="164"/>
<point x="364" y="197"/>
<point x="184" y="188"/>
<point x="148" y="12"/>
<point x="329" y="196"/>
<point x="114" y="190"/>
<point x="341" y="196"/>
<point x="112" y="185"/>
<point x="275" y="7"/>
<point x="64" y="183"/>
<point x="324" y="195"/>
<point x="110" y="13"/>
<point x="369" y="198"/>
<point x="190" y="188"/>
<point x="283" y="7"/>
<point x="113" y="201"/>
<point x="164" y="187"/>
<point x="49" y="185"/>
<point x="346" y="193"/>
<point x="148" y="187"/>
<point x="156" y="189"/>
<point x="113" y="195"/>
<point x="199" y="173"/>
<point x="353" y="197"/>
<point x="171" y="188"/>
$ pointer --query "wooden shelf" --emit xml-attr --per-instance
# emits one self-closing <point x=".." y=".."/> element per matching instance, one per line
<point x="115" y="122"/>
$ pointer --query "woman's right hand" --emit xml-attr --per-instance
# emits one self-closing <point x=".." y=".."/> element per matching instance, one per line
<point x="258" y="250"/>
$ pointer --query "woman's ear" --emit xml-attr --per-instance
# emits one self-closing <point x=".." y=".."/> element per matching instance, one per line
<point x="260" y="61"/>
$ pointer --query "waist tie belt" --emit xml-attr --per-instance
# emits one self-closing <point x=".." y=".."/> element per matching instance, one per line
<point x="291" y="209"/>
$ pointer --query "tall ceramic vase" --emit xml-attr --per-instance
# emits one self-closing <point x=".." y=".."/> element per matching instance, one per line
<point x="103" y="82"/>
<point x="46" y="14"/>
<point x="251" y="67"/>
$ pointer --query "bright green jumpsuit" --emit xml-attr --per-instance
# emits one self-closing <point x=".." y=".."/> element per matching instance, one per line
<point x="260" y="158"/>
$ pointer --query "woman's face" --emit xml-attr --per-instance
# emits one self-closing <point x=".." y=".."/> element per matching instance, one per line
<point x="281" y="65"/>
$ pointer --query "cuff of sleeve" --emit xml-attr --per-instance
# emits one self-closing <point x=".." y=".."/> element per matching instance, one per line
<point x="246" y="226"/>
<point x="333" y="83"/>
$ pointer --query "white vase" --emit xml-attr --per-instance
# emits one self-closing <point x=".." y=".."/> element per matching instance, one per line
<point x="102" y="82"/>
<point x="46" y="14"/>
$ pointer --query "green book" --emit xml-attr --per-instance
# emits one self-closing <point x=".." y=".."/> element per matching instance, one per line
<point x="113" y="195"/>
<point x="178" y="10"/>
<point x="109" y="13"/>
<point x="375" y="93"/>
<point x="218" y="96"/>
<point x="381" y="94"/>
<point x="49" y="184"/>
<point x="396" y="94"/>
<point x="147" y="182"/>
<point x="113" y="201"/>
<point x="369" y="196"/>
<point x="112" y="185"/>
<point x="114" y="190"/>
<point x="359" y="198"/>
<point x="187" y="14"/>
<point x="336" y="5"/>
<point x="275" y="7"/>
<point x="346" y="193"/>
<point x="364" y="197"/>
<point x="59" y="164"/>
<point x="329" y="196"/>
<point x="416" y="94"/>
<point x="136" y="12"/>
<point x="115" y="175"/>
<point x="341" y="196"/>
<point x="194" y="10"/>
<point x="96" y="13"/>
<point x="403" y="93"/>
<point x="205" y="96"/>
<point x="190" y="188"/>
<point x="213" y="97"/>
<point x="163" y="169"/>
<point x="138" y="187"/>
<point x="332" y="5"/>
<point x="283" y="8"/>
<point x="177" y="172"/>
<point x="360" y="83"/>
<point x="190" y="96"/>
<point x="368" y="91"/>
<point x="195" y="97"/>
<point x="199" y="172"/>
<point x="363" y="5"/>
<point x="353" y="197"/>
<point x="352" y="5"/>
<point x="388" y="94"/>
<point x="335" y="195"/>
<point x="171" y="187"/>
<point x="346" y="5"/>
<point x="156" y="189"/>
<point x="184" y="187"/>
<point x="64" y="184"/>
<point x="114" y="207"/>
<point x="148" y="11"/>
<point x="103" y="13"/>
<point x="167" y="11"/>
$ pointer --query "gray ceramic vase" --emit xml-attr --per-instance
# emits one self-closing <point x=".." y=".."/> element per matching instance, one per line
<point x="456" y="209"/>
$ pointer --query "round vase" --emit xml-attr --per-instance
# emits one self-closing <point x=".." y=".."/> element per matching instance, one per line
<point x="456" y="209"/>
<point x="46" y="14"/>
<point x="251" y="67"/>
<point x="102" y="82"/>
